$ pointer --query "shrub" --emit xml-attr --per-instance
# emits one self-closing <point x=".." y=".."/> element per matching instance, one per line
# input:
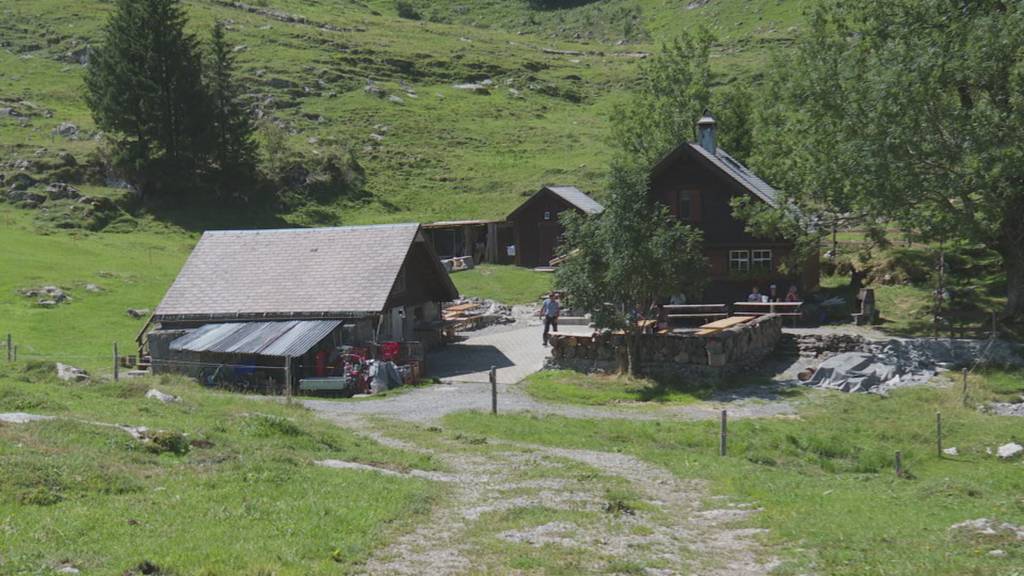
<point x="407" y="10"/>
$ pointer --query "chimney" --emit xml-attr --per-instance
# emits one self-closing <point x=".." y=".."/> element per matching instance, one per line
<point x="706" y="132"/>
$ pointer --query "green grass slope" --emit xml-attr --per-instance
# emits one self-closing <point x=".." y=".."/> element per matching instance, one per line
<point x="432" y="151"/>
<point x="245" y="498"/>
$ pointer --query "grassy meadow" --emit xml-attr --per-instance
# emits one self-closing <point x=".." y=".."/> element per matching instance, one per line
<point x="243" y="497"/>
<point x="507" y="284"/>
<point x="132" y="271"/>
<point x="824" y="480"/>
<point x="431" y="151"/>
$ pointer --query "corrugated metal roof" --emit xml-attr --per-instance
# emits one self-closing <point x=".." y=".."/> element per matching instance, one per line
<point x="577" y="198"/>
<point x="332" y="272"/>
<point x="293" y="338"/>
<point x="299" y="340"/>
<point x="741" y="174"/>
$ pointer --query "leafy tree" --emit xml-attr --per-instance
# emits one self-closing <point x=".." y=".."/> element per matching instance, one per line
<point x="144" y="85"/>
<point x="629" y="258"/>
<point x="911" y="111"/>
<point x="233" y="150"/>
<point x="672" y="91"/>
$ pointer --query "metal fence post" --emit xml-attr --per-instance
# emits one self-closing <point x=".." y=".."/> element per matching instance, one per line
<point x="117" y="364"/>
<point x="9" y="349"/>
<point x="899" y="464"/>
<point x="938" y="433"/>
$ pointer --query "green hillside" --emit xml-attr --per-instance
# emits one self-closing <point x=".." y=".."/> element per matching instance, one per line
<point x="430" y="150"/>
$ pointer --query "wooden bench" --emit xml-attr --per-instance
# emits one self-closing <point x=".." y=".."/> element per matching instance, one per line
<point x="789" y="309"/>
<point x="687" y="311"/>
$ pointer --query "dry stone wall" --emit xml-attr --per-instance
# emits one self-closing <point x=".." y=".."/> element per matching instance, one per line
<point x="709" y="358"/>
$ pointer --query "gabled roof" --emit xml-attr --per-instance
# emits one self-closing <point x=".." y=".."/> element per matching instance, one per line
<point x="577" y="198"/>
<point x="571" y="194"/>
<point x="727" y="165"/>
<point x="315" y="272"/>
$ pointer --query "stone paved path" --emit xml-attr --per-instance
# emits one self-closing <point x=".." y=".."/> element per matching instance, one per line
<point x="516" y="353"/>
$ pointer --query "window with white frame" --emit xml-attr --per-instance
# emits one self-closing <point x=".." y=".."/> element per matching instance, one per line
<point x="739" y="260"/>
<point x="761" y="260"/>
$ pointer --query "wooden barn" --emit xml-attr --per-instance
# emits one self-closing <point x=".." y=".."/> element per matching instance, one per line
<point x="536" y="228"/>
<point x="486" y="241"/>
<point x="265" y="299"/>
<point x="697" y="181"/>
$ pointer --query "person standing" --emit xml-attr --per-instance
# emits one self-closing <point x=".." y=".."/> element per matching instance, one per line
<point x="550" y="311"/>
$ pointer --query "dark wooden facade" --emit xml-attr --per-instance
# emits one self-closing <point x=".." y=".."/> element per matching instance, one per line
<point x="536" y="228"/>
<point x="699" y="187"/>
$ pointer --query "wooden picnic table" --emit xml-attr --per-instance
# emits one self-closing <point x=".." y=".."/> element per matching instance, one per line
<point x="719" y="325"/>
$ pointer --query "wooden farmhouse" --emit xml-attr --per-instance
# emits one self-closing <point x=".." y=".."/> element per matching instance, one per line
<point x="271" y="298"/>
<point x="536" y="228"/>
<point x="697" y="181"/>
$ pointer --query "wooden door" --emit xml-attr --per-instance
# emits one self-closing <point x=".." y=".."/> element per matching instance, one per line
<point x="549" y="235"/>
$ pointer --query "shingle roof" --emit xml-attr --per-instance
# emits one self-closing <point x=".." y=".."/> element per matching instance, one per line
<point x="577" y="198"/>
<point x="317" y="271"/>
<point x="740" y="173"/>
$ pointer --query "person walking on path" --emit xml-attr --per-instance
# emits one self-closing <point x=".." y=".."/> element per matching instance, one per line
<point x="550" y="311"/>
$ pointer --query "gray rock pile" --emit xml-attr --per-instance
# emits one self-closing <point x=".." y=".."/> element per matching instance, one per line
<point x="47" y="296"/>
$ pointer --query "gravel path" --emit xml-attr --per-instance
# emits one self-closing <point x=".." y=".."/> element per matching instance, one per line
<point x="431" y="403"/>
<point x="672" y="532"/>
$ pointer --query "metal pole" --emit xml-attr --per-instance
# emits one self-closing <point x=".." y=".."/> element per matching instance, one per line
<point x="9" y="348"/>
<point x="938" y="433"/>
<point x="494" y="390"/>
<point x="899" y="464"/>
<point x="117" y="364"/>
<point x="722" y="441"/>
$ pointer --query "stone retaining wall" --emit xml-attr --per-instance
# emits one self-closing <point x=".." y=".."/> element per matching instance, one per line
<point x="710" y="357"/>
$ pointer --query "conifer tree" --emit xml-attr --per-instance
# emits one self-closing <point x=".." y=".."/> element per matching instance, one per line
<point x="144" y="86"/>
<point x="232" y="148"/>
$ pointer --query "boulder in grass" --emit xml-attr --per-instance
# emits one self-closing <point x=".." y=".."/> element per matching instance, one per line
<point x="69" y="373"/>
<point x="164" y="397"/>
<point x="1011" y="450"/>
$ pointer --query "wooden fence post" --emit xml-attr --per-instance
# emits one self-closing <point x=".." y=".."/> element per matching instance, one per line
<point x="288" y="379"/>
<point x="963" y="394"/>
<point x="494" y="390"/>
<point x="9" y="349"/>
<point x="723" y="438"/>
<point x="899" y="464"/>
<point x="938" y="433"/>
<point x="117" y="364"/>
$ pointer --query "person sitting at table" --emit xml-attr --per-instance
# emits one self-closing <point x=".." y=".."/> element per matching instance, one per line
<point x="755" y="295"/>
<point x="792" y="295"/>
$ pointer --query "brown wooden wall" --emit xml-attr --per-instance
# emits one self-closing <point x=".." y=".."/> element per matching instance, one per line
<point x="536" y="239"/>
<point x="711" y="193"/>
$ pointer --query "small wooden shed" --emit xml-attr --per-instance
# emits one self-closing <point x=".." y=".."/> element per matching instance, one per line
<point x="537" y="230"/>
